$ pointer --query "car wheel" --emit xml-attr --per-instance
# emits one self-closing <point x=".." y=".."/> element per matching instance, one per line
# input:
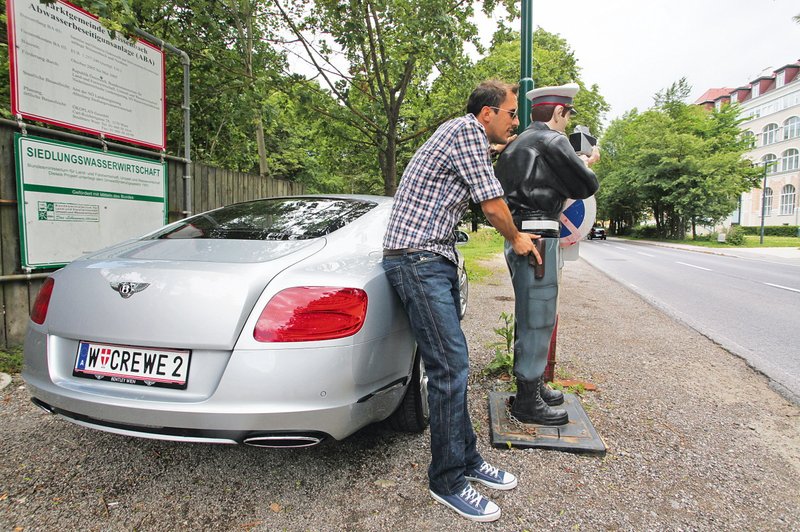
<point x="413" y="414"/>
<point x="463" y="294"/>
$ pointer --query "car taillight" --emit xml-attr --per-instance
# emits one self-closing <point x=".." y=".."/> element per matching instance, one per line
<point x="308" y="313"/>
<point x="39" y="311"/>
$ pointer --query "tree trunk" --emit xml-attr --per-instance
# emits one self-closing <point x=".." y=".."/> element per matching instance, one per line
<point x="262" y="149"/>
<point x="389" y="163"/>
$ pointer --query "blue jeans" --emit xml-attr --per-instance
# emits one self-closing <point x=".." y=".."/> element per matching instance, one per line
<point x="427" y="284"/>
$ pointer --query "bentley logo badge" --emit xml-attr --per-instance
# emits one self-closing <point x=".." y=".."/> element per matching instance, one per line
<point x="126" y="289"/>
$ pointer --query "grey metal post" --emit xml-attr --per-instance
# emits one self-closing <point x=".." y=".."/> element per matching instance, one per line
<point x="187" y="134"/>
<point x="763" y="201"/>
<point x="526" y="64"/>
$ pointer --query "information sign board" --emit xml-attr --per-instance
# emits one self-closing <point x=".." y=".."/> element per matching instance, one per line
<point x="67" y="70"/>
<point x="74" y="200"/>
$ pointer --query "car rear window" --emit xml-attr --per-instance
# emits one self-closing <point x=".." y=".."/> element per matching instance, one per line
<point x="271" y="219"/>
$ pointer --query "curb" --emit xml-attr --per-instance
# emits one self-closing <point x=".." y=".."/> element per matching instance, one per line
<point x="5" y="380"/>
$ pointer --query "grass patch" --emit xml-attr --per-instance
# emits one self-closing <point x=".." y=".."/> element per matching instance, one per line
<point x="750" y="241"/>
<point x="11" y="360"/>
<point x="483" y="244"/>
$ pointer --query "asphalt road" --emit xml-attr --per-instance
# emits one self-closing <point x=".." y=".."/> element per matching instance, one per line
<point x="748" y="304"/>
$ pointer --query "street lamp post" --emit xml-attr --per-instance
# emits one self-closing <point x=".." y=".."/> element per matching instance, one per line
<point x="766" y="164"/>
<point x="763" y="202"/>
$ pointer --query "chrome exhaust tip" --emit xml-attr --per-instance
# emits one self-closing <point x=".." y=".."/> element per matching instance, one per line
<point x="43" y="406"/>
<point x="283" y="441"/>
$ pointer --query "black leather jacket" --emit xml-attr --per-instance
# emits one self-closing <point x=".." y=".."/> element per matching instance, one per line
<point x="539" y="171"/>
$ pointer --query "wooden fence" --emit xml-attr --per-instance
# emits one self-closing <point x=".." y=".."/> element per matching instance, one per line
<point x="212" y="187"/>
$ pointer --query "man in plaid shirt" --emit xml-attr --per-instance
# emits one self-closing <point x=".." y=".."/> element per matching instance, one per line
<point x="453" y="166"/>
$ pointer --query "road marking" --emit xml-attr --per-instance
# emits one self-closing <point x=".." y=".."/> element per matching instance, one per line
<point x="645" y="254"/>
<point x="783" y="287"/>
<point x="621" y="247"/>
<point x="693" y="266"/>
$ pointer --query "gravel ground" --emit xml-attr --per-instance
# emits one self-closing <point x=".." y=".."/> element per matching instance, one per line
<point x="696" y="441"/>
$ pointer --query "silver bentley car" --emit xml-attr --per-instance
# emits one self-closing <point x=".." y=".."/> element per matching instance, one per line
<point x="269" y="323"/>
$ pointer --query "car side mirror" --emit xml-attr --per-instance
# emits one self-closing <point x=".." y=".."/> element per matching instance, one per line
<point x="461" y="237"/>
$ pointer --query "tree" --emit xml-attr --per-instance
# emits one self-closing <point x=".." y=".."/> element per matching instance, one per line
<point x="391" y="48"/>
<point x="680" y="163"/>
<point x="554" y="63"/>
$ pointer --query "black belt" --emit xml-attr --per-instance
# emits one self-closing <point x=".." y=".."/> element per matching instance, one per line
<point x="401" y="251"/>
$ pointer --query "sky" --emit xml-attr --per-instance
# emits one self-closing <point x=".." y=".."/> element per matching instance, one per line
<point x="634" y="48"/>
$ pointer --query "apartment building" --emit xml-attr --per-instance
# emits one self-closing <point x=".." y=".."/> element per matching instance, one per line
<point x="770" y="105"/>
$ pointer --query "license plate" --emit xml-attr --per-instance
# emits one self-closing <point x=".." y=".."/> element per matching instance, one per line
<point x="166" y="368"/>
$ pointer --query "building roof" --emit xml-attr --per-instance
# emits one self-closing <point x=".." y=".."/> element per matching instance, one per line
<point x="712" y="94"/>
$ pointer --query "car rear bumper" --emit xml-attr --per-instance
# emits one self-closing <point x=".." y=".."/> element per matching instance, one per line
<point x="267" y="393"/>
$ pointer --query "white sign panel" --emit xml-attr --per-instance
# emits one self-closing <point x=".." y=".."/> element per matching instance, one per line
<point x="68" y="71"/>
<point x="74" y="200"/>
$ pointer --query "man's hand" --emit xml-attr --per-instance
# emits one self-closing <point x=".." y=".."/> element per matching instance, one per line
<point x="497" y="149"/>
<point x="499" y="216"/>
<point x="594" y="157"/>
<point x="526" y="239"/>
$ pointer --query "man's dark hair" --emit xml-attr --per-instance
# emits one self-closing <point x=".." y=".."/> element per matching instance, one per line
<point x="543" y="113"/>
<point x="491" y="93"/>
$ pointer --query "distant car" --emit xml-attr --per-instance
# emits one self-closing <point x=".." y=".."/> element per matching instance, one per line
<point x="597" y="232"/>
<point x="269" y="323"/>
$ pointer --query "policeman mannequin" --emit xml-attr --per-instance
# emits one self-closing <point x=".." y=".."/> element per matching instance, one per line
<point x="539" y="171"/>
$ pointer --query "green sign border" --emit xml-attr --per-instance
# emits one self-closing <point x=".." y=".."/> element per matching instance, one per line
<point x="22" y="187"/>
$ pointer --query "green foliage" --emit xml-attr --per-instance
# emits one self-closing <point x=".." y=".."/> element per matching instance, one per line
<point x="772" y="230"/>
<point x="677" y="163"/>
<point x="11" y="360"/>
<point x="483" y="244"/>
<point x="645" y="232"/>
<point x="750" y="241"/>
<point x="554" y="63"/>
<point x="735" y="235"/>
<point x="392" y="48"/>
<point x="503" y="361"/>
<point x="387" y="74"/>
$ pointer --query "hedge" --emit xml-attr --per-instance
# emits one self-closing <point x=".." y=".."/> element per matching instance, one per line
<point x="771" y="230"/>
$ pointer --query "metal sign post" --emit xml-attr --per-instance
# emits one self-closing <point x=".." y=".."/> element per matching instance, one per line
<point x="525" y="64"/>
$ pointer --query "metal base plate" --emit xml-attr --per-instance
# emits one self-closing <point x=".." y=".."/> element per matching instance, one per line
<point x="576" y="436"/>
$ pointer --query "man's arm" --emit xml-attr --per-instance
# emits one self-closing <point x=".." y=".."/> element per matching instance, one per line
<point x="499" y="216"/>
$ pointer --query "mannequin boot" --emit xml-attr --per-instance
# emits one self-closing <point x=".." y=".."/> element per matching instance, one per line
<point x="529" y="407"/>
<point x="550" y="396"/>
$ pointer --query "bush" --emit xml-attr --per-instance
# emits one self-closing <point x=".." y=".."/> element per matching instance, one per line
<point x="735" y="235"/>
<point x="645" y="231"/>
<point x="772" y="230"/>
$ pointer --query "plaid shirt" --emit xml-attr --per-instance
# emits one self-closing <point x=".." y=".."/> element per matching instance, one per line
<point x="452" y="166"/>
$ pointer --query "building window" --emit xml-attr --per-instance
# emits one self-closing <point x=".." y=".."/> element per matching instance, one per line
<point x="755" y="91"/>
<point x="788" y="198"/>
<point x="769" y="134"/>
<point x="791" y="128"/>
<point x="789" y="160"/>
<point x="770" y="162"/>
<point x="749" y="138"/>
<point x="767" y="201"/>
<point x="734" y="97"/>
<point x="780" y="79"/>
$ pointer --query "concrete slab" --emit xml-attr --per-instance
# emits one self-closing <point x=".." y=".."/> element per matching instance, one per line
<point x="577" y="436"/>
